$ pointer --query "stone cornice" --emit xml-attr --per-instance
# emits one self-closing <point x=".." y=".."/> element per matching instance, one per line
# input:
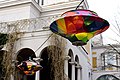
<point x="60" y="6"/>
<point x="105" y="46"/>
<point x="6" y="4"/>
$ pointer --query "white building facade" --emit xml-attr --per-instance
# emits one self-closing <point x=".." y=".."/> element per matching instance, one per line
<point x="33" y="21"/>
<point x="105" y="61"/>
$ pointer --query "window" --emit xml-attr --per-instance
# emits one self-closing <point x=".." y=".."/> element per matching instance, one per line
<point x="93" y="53"/>
<point x="39" y="2"/>
<point x="94" y="62"/>
<point x="109" y="61"/>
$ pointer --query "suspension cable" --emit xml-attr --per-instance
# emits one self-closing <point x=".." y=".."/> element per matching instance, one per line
<point x="79" y="4"/>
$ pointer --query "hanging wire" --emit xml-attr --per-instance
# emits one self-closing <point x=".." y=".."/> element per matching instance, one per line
<point x="114" y="48"/>
<point x="84" y="49"/>
<point x="44" y="42"/>
<point x="79" y="4"/>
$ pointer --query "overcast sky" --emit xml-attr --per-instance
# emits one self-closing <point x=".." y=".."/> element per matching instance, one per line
<point x="109" y="10"/>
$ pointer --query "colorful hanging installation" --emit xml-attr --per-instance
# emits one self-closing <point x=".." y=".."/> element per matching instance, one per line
<point x="79" y="26"/>
<point x="29" y="67"/>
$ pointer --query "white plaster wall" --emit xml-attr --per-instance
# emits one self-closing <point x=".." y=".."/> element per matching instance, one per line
<point x="83" y="59"/>
<point x="18" y="10"/>
<point x="34" y="40"/>
<point x="57" y="9"/>
<point x="53" y="2"/>
<point x="34" y="12"/>
<point x="12" y="13"/>
<point x="47" y="2"/>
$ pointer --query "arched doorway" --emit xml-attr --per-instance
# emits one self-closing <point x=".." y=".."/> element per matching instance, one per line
<point x="69" y="65"/>
<point x="45" y="63"/>
<point x="52" y="63"/>
<point x="107" y="77"/>
<point x="24" y="55"/>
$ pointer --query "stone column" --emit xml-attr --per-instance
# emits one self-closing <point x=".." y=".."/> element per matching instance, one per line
<point x="73" y="70"/>
<point x="81" y="74"/>
<point x="37" y="75"/>
<point x="66" y="66"/>
<point x="79" y="77"/>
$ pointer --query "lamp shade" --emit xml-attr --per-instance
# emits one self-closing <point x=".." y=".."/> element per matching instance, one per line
<point x="79" y="26"/>
<point x="29" y="67"/>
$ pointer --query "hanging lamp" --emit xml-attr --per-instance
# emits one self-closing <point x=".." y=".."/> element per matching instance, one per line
<point x="29" y="67"/>
<point x="79" y="25"/>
